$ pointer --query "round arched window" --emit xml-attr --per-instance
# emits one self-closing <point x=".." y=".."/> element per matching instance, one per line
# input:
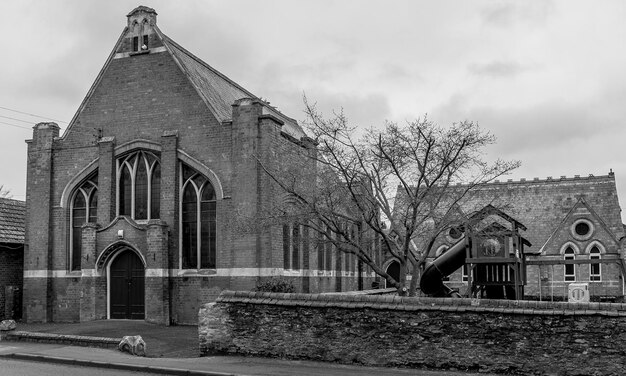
<point x="582" y="229"/>
<point x="455" y="233"/>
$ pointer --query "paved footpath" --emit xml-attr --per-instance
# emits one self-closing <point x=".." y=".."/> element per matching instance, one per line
<point x="216" y="365"/>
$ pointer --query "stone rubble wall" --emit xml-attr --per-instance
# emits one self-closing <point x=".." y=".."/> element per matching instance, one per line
<point x="499" y="336"/>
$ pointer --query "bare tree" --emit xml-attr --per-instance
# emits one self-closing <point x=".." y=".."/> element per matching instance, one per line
<point x="358" y="179"/>
<point x="5" y="193"/>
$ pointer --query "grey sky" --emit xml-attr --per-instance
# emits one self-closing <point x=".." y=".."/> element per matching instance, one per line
<point x="546" y="77"/>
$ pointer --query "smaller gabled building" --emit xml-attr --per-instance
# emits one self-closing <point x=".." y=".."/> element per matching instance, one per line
<point x="576" y="219"/>
<point x="11" y="257"/>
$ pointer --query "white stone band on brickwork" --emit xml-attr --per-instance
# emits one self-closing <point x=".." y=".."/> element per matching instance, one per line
<point x="223" y="272"/>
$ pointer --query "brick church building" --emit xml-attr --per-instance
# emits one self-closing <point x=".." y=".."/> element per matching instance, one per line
<point x="132" y="212"/>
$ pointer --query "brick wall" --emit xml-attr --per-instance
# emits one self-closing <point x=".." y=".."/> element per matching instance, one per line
<point x="513" y="337"/>
<point x="38" y="238"/>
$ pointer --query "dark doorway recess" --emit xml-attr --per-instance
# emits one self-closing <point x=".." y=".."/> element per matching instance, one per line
<point x="127" y="287"/>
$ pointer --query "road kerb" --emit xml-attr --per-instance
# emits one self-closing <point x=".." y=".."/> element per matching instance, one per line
<point x="120" y="366"/>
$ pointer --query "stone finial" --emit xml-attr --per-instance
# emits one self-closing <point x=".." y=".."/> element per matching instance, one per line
<point x="47" y="125"/>
<point x="245" y="102"/>
<point x="45" y="132"/>
<point x="140" y="14"/>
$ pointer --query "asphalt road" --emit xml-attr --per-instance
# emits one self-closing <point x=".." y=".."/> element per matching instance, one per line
<point x="9" y="367"/>
<point x="221" y="364"/>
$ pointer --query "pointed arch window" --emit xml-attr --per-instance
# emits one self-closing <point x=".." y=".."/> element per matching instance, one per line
<point x="83" y="209"/>
<point x="293" y="244"/>
<point x="197" y="220"/>
<point x="139" y="186"/>
<point x="570" y="269"/>
<point x="595" y="271"/>
<point x="465" y="273"/>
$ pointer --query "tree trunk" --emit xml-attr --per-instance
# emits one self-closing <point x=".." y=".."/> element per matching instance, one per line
<point x="402" y="289"/>
<point x="415" y="277"/>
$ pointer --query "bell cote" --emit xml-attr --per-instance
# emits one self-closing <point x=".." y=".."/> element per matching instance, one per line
<point x="141" y="23"/>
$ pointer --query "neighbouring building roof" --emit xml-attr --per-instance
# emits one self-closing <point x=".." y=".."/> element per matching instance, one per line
<point x="12" y="213"/>
<point x="541" y="205"/>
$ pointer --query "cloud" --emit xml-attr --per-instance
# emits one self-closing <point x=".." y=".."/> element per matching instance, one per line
<point x="396" y="73"/>
<point x="498" y="69"/>
<point x="363" y="111"/>
<point x="548" y="125"/>
<point x="499" y="14"/>
<point x="507" y="14"/>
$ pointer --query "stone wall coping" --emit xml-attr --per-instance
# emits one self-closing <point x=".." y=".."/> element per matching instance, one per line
<point x="104" y="342"/>
<point x="272" y="118"/>
<point x="394" y="302"/>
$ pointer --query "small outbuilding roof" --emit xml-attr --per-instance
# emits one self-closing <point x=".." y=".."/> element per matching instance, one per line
<point x="12" y="213"/>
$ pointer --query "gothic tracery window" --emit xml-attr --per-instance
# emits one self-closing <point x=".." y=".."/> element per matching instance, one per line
<point x="139" y="186"/>
<point x="83" y="209"/>
<point x="198" y="220"/>
<point x="293" y="243"/>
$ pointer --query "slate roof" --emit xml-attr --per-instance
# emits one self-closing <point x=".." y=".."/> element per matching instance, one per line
<point x="217" y="90"/>
<point x="542" y="205"/>
<point x="12" y="213"/>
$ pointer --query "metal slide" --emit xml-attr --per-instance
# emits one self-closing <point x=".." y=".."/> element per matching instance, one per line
<point x="431" y="282"/>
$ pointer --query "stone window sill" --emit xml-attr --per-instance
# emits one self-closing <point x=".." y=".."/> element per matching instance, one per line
<point x="135" y="53"/>
<point x="289" y="272"/>
<point x="196" y="272"/>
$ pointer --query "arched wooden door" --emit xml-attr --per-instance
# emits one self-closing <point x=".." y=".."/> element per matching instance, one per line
<point x="126" y="283"/>
<point x="393" y="269"/>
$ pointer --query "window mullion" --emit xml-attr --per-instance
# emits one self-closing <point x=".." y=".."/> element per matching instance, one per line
<point x="87" y="205"/>
<point x="133" y="173"/>
<point x="180" y="216"/>
<point x="117" y="186"/>
<point x="198" y="225"/>
<point x="71" y="240"/>
<point x="149" y="173"/>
